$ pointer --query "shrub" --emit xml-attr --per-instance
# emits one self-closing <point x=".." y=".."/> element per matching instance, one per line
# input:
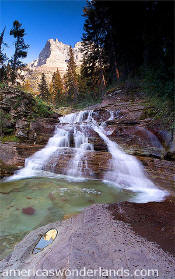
<point x="41" y="108"/>
<point x="11" y="138"/>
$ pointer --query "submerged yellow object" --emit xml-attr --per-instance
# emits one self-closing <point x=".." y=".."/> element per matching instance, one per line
<point x="45" y="240"/>
<point x="50" y="234"/>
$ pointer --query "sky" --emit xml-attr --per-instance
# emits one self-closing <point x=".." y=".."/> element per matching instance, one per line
<point x="42" y="20"/>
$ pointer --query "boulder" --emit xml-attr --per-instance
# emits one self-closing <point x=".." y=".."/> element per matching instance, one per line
<point x="22" y="129"/>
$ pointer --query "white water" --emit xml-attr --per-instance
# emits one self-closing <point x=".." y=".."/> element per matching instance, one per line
<point x="125" y="170"/>
<point x="75" y="166"/>
<point x="37" y="161"/>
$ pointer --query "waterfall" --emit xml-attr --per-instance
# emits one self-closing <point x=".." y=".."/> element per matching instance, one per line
<point x="36" y="162"/>
<point x="125" y="170"/>
<point x="75" y="166"/>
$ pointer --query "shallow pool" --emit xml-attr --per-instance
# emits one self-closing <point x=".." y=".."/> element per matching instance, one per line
<point x="30" y="203"/>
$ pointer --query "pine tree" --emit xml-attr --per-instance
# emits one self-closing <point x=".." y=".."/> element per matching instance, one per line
<point x="2" y="55"/>
<point x="20" y="49"/>
<point x="43" y="89"/>
<point x="86" y="82"/>
<point x="71" y="77"/>
<point x="93" y="43"/>
<point x="56" y="87"/>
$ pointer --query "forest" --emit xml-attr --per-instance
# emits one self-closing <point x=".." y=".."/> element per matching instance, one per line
<point x="126" y="44"/>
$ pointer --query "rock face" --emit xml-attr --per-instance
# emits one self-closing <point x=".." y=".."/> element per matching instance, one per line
<point x="27" y="122"/>
<point x="55" y="55"/>
<point x="137" y="136"/>
<point x="103" y="238"/>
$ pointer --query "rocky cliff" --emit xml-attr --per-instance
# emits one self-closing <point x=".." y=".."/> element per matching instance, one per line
<point x="53" y="56"/>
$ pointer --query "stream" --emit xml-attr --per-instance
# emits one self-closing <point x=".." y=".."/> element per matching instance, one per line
<point x="34" y="197"/>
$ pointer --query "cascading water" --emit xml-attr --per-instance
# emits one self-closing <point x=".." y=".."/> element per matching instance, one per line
<point x="75" y="166"/>
<point x="35" y="163"/>
<point x="125" y="170"/>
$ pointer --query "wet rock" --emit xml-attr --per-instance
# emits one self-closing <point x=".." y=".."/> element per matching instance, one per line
<point x="6" y="170"/>
<point x="160" y="171"/>
<point x="8" y="153"/>
<point x="28" y="211"/>
<point x="171" y="152"/>
<point x="13" y="155"/>
<point x="56" y="115"/>
<point x="41" y="130"/>
<point x="154" y="221"/>
<point x="137" y="139"/>
<point x="101" y="114"/>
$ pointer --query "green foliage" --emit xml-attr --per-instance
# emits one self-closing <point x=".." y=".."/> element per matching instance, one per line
<point x="94" y="60"/>
<point x="2" y="85"/>
<point x="2" y="55"/>
<point x="11" y="138"/>
<point x="41" y="109"/>
<point x="43" y="89"/>
<point x="157" y="82"/>
<point x="113" y="48"/>
<point x="56" y="88"/>
<point x="159" y="86"/>
<point x="20" y="49"/>
<point x="5" y="124"/>
<point x="71" y="78"/>
<point x="86" y="102"/>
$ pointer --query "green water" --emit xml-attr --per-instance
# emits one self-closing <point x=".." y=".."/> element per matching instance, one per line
<point x="52" y="200"/>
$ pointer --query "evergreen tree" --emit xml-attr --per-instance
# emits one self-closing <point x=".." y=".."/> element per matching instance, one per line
<point x="93" y="44"/>
<point x="2" y="55"/>
<point x="132" y="40"/>
<point x="71" y="77"/>
<point x="20" y="49"/>
<point x="43" y="89"/>
<point x="8" y="71"/>
<point x="143" y="40"/>
<point x="2" y="58"/>
<point x="87" y="82"/>
<point x="56" y="87"/>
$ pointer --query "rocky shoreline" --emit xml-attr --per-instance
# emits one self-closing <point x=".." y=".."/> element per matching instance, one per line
<point x="124" y="235"/>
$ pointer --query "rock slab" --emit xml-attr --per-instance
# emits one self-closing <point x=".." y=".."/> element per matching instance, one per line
<point x="95" y="240"/>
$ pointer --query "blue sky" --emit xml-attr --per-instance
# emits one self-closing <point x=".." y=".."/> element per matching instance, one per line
<point x="42" y="20"/>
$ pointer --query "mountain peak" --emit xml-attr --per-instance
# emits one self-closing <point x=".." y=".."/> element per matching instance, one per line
<point x="55" y="55"/>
